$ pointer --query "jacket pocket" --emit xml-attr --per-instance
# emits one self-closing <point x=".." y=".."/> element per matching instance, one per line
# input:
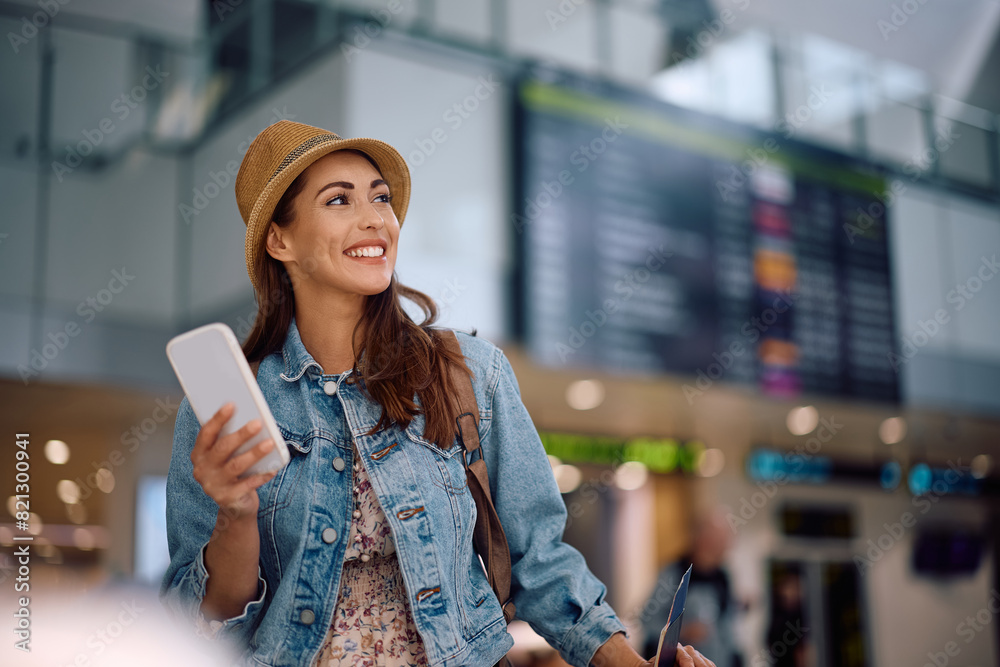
<point x="274" y="494"/>
<point x="480" y="608"/>
<point x="415" y="433"/>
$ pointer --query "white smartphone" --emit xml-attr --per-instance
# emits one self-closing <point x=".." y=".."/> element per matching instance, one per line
<point x="213" y="371"/>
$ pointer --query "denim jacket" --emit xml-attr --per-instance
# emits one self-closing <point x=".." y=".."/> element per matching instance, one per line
<point x="305" y="511"/>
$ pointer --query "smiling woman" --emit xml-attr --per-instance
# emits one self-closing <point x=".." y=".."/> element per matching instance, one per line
<point x="360" y="550"/>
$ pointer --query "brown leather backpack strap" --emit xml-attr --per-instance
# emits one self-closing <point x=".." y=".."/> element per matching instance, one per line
<point x="488" y="537"/>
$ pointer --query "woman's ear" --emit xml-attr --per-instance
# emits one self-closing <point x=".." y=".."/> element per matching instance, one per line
<point x="276" y="246"/>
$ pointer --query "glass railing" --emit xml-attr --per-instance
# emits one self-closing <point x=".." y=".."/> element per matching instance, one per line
<point x="805" y="86"/>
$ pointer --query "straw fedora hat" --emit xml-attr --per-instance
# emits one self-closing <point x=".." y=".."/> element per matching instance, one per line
<point x="283" y="151"/>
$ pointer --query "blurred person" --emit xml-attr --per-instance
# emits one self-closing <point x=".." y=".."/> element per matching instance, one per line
<point x="710" y="609"/>
<point x="360" y="550"/>
<point x="788" y="642"/>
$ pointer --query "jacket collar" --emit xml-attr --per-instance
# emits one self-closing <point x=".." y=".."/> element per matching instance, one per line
<point x="296" y="356"/>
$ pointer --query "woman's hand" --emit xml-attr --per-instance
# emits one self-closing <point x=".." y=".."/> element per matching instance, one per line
<point x="218" y="475"/>
<point x="687" y="656"/>
<point x="617" y="652"/>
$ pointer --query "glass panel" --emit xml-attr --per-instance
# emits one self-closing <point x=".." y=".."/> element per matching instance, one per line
<point x="563" y="32"/>
<point x="902" y="83"/>
<point x="686" y="84"/>
<point x="232" y="63"/>
<point x="19" y="71"/>
<point x="638" y="44"/>
<point x="467" y="19"/>
<point x="895" y="133"/>
<point x="743" y="68"/>
<point x="293" y="33"/>
<point x="819" y="108"/>
<point x="397" y="15"/>
<point x="95" y="114"/>
<point x="964" y="151"/>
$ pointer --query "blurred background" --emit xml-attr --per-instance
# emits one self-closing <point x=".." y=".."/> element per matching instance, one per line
<point x="741" y="254"/>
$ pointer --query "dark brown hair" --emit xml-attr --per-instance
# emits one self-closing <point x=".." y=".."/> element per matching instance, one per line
<point x="402" y="359"/>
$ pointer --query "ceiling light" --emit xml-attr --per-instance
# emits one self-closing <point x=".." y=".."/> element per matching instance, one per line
<point x="631" y="475"/>
<point x="585" y="394"/>
<point x="711" y="462"/>
<point x="892" y="430"/>
<point x="68" y="491"/>
<point x="568" y="477"/>
<point x="57" y="451"/>
<point x="802" y="420"/>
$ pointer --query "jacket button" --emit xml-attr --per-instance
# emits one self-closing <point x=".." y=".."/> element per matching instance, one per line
<point x="330" y="388"/>
<point x="338" y="464"/>
<point x="329" y="536"/>
<point x="307" y="617"/>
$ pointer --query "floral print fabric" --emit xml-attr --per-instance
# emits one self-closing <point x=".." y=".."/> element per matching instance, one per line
<point x="372" y="624"/>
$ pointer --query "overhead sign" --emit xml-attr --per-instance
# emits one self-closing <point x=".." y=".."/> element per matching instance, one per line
<point x="658" y="454"/>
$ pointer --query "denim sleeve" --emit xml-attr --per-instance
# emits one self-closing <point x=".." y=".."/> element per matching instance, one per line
<point x="552" y="587"/>
<point x="191" y="516"/>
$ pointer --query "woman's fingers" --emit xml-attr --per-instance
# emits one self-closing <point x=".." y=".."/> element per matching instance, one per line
<point x="227" y="444"/>
<point x="237" y="465"/>
<point x="217" y="470"/>
<point x="209" y="433"/>
<point x="687" y="656"/>
<point x="253" y="481"/>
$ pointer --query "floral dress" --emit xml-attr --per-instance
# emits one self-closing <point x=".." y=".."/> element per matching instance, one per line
<point x="372" y="624"/>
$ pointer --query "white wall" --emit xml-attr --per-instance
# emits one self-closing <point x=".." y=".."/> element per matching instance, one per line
<point x="939" y="242"/>
<point x="454" y="242"/>
<point x="117" y="221"/>
<point x="907" y="616"/>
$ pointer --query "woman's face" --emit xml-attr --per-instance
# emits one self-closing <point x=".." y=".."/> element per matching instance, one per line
<point x="343" y="232"/>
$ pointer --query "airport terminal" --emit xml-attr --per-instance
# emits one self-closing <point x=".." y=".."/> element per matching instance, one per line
<point x="739" y="255"/>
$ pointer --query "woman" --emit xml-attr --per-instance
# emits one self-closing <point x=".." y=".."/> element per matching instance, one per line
<point x="359" y="551"/>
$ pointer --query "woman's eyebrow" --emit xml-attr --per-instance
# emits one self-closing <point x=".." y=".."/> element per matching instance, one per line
<point x="349" y="186"/>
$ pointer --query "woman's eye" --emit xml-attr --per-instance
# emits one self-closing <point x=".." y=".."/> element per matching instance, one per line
<point x="339" y="199"/>
<point x="384" y="198"/>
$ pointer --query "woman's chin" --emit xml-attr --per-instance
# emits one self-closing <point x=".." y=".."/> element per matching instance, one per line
<point x="372" y="287"/>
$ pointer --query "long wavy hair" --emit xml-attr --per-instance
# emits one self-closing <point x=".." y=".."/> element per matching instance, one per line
<point x="396" y="358"/>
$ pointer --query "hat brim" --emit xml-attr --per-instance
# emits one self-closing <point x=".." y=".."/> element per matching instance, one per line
<point x="390" y="164"/>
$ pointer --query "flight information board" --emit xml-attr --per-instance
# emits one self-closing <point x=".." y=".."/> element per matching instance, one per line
<point x="655" y="239"/>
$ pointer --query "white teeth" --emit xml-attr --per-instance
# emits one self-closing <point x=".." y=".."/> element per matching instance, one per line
<point x="371" y="251"/>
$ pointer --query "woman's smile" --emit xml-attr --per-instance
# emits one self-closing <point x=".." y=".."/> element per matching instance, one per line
<point x="369" y="251"/>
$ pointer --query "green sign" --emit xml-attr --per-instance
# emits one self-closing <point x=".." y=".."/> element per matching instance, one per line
<point x="658" y="454"/>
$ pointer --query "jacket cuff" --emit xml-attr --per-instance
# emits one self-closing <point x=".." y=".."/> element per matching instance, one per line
<point x="212" y="629"/>
<point x="589" y="634"/>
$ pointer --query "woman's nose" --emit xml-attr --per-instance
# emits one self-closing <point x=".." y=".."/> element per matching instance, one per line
<point x="372" y="218"/>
